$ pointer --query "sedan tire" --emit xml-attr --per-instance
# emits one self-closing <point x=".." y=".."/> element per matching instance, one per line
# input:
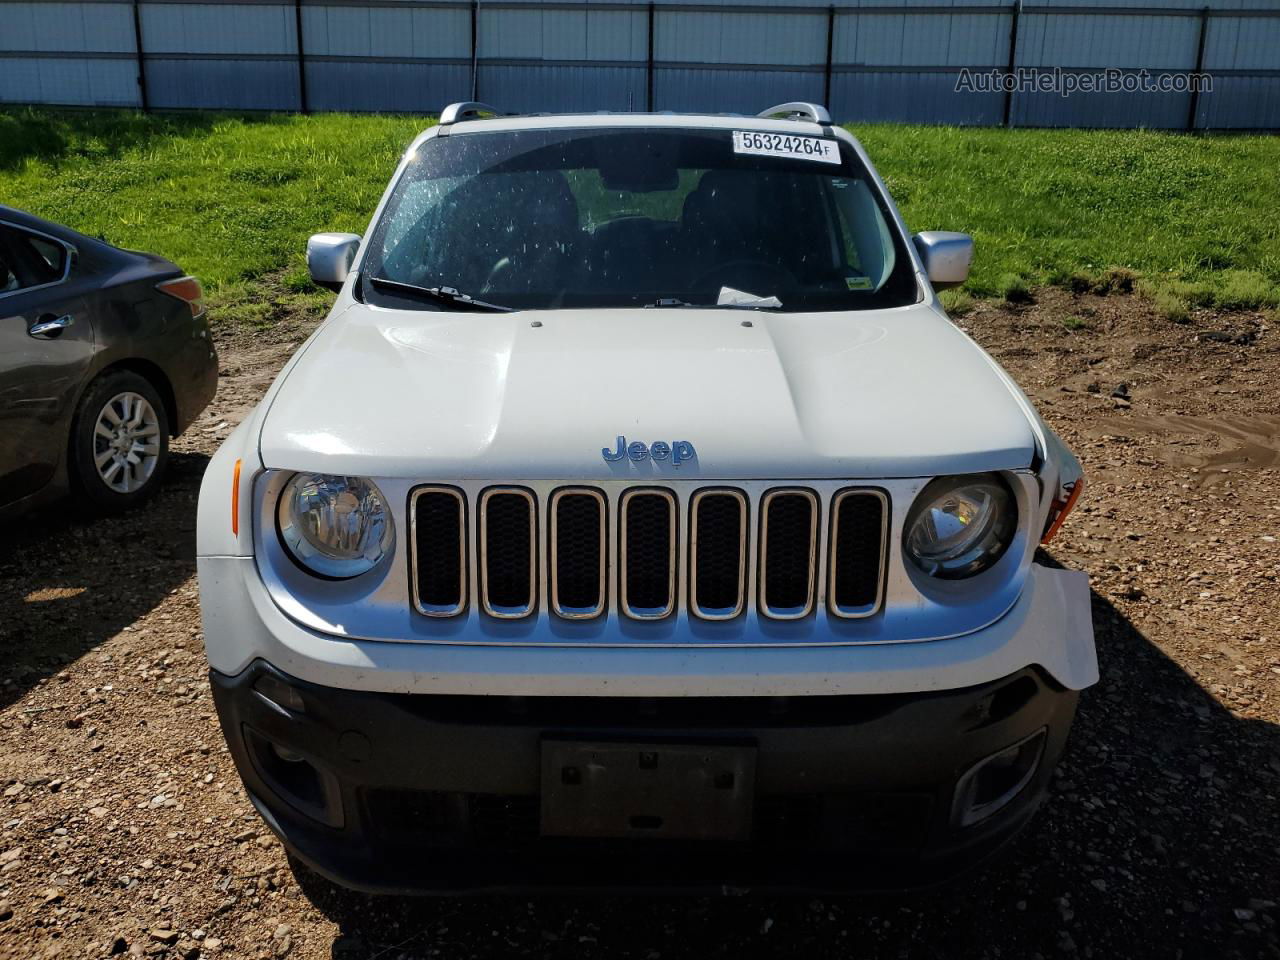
<point x="120" y="442"/>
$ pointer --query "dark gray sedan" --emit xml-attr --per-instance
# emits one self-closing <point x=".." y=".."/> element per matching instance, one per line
<point x="104" y="355"/>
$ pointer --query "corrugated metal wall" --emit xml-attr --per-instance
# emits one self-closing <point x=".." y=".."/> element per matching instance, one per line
<point x="893" y="60"/>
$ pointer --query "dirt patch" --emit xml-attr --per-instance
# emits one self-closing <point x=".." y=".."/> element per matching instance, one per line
<point x="123" y="828"/>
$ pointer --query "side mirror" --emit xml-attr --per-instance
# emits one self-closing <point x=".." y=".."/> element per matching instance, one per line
<point x="946" y="257"/>
<point x="329" y="258"/>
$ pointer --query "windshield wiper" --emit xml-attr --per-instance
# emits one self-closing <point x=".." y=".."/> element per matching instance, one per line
<point x="671" y="302"/>
<point x="442" y="294"/>
<point x="730" y="298"/>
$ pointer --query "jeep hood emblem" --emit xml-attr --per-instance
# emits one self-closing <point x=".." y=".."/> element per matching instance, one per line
<point x="678" y="451"/>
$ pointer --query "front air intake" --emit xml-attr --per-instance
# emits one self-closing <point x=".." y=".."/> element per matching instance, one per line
<point x="648" y="553"/>
<point x="788" y="553"/>
<point x="859" y="529"/>
<point x="578" y="558"/>
<point x="508" y="552"/>
<point x="718" y="554"/>
<point x="438" y="538"/>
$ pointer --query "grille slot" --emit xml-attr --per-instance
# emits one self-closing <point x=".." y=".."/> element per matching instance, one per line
<point x="648" y="554"/>
<point x="859" y="528"/>
<point x="718" y="554"/>
<point x="438" y="539"/>
<point x="508" y="552"/>
<point x="578" y="552"/>
<point x="788" y="554"/>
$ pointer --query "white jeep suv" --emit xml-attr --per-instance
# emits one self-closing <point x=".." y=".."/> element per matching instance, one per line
<point x="638" y="516"/>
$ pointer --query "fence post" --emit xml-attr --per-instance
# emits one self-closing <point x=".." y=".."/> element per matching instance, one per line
<point x="143" y="101"/>
<point x="648" y="76"/>
<point x="303" y="106"/>
<point x="826" y="77"/>
<point x="475" y="50"/>
<point x="1014" y="12"/>
<point x="1194" y="107"/>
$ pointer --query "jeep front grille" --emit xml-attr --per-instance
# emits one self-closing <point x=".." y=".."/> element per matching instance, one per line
<point x="648" y="569"/>
<point x="438" y="539"/>
<point x="733" y="546"/>
<point x="859" y="527"/>
<point x="508" y="552"/>
<point x="579" y="534"/>
<point x="718" y="553"/>
<point x="788" y="553"/>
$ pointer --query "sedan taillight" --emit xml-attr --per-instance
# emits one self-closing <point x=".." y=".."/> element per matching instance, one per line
<point x="186" y="289"/>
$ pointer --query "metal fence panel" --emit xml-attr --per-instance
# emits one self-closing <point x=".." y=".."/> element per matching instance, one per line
<point x="797" y="39"/>
<point x="66" y="27"/>
<point x="733" y="91"/>
<point x="889" y="60"/>
<point x="1243" y="43"/>
<point x="386" y="87"/>
<point x="222" y="84"/>
<point x="879" y="97"/>
<point x="1163" y="43"/>
<point x="217" y="28"/>
<point x="573" y="35"/>
<point x="1152" y="110"/>
<point x="99" y="83"/>
<point x="526" y="88"/>
<point x="1240" y="103"/>
<point x="382" y="32"/>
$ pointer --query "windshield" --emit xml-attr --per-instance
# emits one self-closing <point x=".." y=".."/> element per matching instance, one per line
<point x="546" y="219"/>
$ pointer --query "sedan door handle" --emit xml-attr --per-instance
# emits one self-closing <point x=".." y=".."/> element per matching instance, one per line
<point x="49" y="326"/>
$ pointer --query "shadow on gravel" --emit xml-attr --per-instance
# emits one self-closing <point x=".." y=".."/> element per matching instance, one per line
<point x="70" y="582"/>
<point x="1160" y="838"/>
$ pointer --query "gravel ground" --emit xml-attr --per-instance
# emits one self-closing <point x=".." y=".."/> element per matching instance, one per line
<point x="123" y="828"/>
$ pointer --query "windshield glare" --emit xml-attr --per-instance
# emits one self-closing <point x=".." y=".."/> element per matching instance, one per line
<point x="551" y="219"/>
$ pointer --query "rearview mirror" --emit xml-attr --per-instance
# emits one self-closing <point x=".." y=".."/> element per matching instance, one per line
<point x="946" y="257"/>
<point x="329" y="258"/>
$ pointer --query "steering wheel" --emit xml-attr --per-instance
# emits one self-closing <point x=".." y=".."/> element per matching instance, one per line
<point x="751" y="276"/>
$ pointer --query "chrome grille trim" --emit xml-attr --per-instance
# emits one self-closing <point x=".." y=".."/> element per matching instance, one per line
<point x="787" y="613"/>
<point x="857" y="613"/>
<point x="504" y="612"/>
<point x="712" y="613"/>
<point x="560" y="610"/>
<point x="435" y="610"/>
<point x="647" y="613"/>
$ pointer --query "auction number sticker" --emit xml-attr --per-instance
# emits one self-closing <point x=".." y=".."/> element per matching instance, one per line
<point x="759" y="144"/>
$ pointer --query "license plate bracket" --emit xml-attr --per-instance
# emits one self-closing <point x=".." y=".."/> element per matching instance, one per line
<point x="670" y="791"/>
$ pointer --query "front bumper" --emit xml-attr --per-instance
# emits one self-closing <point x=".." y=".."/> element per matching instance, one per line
<point x="1049" y="626"/>
<point x="436" y="793"/>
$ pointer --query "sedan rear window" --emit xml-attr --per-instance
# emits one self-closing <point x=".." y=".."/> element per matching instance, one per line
<point x="634" y="217"/>
<point x="27" y="260"/>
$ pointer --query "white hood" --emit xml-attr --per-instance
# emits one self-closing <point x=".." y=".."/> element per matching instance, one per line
<point x="537" y="395"/>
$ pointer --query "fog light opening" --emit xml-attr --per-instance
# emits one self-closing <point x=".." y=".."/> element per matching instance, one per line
<point x="994" y="782"/>
<point x="294" y="778"/>
<point x="287" y="755"/>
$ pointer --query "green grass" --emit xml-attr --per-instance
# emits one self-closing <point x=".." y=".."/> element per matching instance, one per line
<point x="1066" y="206"/>
<point x="1194" y="221"/>
<point x="230" y="198"/>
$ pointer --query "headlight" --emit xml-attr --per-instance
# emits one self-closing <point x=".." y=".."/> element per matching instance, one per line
<point x="336" y="527"/>
<point x="960" y="526"/>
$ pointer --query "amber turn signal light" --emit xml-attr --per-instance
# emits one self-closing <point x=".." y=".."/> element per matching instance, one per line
<point x="235" y="499"/>
<point x="1059" y="510"/>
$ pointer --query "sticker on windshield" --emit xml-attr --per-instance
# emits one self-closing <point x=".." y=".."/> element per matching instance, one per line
<point x="786" y="145"/>
<point x="858" y="283"/>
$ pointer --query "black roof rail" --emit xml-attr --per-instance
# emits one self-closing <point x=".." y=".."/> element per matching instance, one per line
<point x="796" y="110"/>
<point x="468" y="110"/>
